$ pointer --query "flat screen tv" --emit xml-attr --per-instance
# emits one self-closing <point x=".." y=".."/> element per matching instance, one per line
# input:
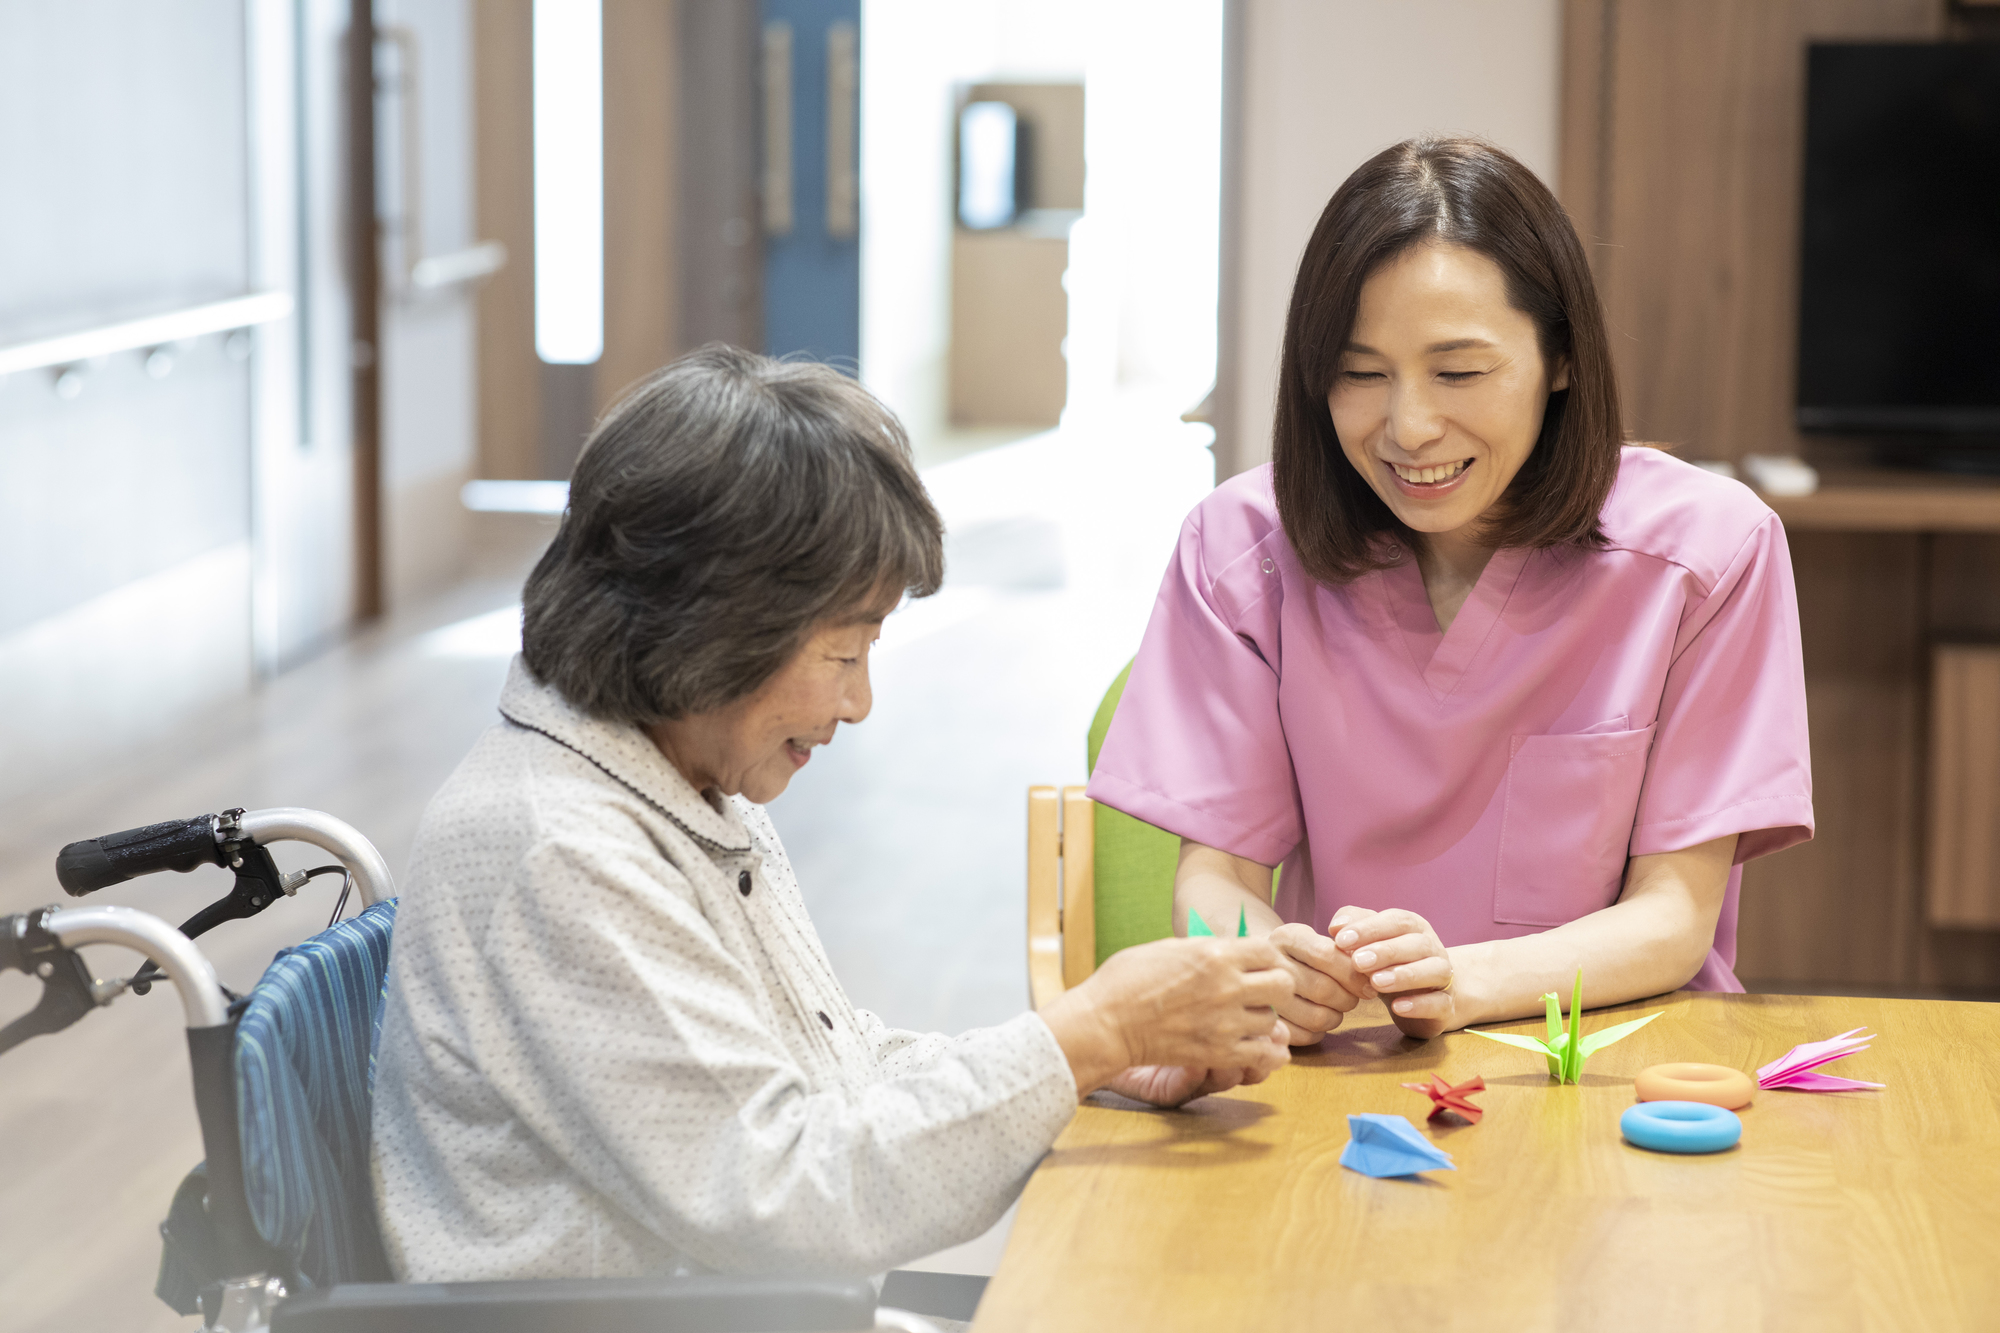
<point x="1899" y="294"/>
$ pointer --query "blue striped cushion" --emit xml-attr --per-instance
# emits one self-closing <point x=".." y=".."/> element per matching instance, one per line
<point x="305" y="1073"/>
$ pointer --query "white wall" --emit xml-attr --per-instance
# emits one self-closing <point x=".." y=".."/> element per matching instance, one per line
<point x="914" y="53"/>
<point x="1329" y="83"/>
<point x="1143" y="261"/>
<point x="124" y="510"/>
<point x="1142" y="281"/>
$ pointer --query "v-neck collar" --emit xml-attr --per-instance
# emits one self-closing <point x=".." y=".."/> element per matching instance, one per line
<point x="1443" y="658"/>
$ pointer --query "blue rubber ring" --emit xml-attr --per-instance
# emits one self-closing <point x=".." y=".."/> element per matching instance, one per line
<point x="1689" y="1127"/>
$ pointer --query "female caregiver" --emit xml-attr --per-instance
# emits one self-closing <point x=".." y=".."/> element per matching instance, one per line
<point x="613" y="1044"/>
<point x="1503" y="697"/>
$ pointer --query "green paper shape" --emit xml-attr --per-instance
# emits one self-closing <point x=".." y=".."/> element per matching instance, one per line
<point x="1242" y="924"/>
<point x="1566" y="1050"/>
<point x="1196" y="926"/>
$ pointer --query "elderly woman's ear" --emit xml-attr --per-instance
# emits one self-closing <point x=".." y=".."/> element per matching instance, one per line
<point x="722" y="515"/>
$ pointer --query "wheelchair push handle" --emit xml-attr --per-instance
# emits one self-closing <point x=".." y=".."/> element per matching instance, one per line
<point x="178" y="844"/>
<point x="226" y="840"/>
<point x="44" y="945"/>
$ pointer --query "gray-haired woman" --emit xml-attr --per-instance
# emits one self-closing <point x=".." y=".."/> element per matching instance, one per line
<point x="613" y="1043"/>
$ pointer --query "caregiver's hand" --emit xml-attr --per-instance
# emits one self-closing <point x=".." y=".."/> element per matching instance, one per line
<point x="1325" y="986"/>
<point x="1398" y="956"/>
<point x="1201" y="1004"/>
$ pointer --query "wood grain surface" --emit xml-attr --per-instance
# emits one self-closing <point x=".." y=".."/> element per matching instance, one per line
<point x="1893" y="502"/>
<point x="1837" y="1211"/>
<point x="1962" y="864"/>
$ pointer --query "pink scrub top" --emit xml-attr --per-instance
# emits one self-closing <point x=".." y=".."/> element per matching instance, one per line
<point x="1585" y="707"/>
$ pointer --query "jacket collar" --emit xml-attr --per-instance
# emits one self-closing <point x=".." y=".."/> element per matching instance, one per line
<point x="625" y="754"/>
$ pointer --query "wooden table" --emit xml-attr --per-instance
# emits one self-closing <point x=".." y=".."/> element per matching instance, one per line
<point x="1858" y="1210"/>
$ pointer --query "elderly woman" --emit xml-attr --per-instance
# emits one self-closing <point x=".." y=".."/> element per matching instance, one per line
<point x="613" y="1044"/>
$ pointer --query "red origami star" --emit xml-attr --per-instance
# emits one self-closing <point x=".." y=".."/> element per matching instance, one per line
<point x="1449" y="1098"/>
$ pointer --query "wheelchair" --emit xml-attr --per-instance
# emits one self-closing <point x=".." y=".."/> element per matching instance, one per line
<point x="276" y="1230"/>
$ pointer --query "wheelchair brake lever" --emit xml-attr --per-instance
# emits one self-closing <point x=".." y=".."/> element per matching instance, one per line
<point x="68" y="992"/>
<point x="259" y="883"/>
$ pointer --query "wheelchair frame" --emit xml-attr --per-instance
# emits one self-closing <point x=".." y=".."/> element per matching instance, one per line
<point x="43" y="944"/>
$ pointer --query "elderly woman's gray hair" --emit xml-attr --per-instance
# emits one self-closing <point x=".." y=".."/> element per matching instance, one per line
<point x="720" y="511"/>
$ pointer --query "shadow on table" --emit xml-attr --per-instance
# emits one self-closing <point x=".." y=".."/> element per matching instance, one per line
<point x="1207" y="1129"/>
<point x="1377" y="1044"/>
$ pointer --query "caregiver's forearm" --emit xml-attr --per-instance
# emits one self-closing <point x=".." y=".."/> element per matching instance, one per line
<point x="1219" y="886"/>
<point x="1652" y="940"/>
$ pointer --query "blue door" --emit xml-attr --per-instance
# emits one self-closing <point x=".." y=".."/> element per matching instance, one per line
<point x="811" y="178"/>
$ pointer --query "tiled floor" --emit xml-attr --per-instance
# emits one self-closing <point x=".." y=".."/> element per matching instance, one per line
<point x="907" y="832"/>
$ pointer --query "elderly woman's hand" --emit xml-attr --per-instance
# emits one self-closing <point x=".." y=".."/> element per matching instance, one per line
<point x="1175" y="1085"/>
<point x="1201" y="1005"/>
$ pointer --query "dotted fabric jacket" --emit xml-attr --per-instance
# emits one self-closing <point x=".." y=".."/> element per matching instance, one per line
<point x="613" y="1044"/>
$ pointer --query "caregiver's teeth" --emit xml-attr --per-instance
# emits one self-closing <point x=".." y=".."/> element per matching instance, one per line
<point x="1423" y="475"/>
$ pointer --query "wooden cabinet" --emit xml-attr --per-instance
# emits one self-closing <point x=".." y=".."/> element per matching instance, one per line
<point x="1962" y="860"/>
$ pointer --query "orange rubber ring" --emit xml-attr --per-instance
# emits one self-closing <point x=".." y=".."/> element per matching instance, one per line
<point x="1717" y="1085"/>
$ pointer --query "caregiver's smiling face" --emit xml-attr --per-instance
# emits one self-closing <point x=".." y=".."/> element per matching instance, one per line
<point x="1439" y="392"/>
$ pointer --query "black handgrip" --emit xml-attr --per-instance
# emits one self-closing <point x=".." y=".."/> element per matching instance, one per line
<point x="98" y="863"/>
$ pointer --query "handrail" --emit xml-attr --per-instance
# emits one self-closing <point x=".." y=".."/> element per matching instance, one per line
<point x="468" y="265"/>
<point x="240" y="312"/>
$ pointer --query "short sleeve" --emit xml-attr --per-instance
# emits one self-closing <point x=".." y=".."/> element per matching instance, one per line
<point x="1730" y="752"/>
<point x="1197" y="746"/>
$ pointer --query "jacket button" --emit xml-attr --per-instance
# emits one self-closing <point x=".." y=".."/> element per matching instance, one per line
<point x="824" y="1019"/>
<point x="743" y="883"/>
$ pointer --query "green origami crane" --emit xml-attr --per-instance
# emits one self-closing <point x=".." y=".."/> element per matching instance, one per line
<point x="1567" y="1050"/>
<point x="1197" y="927"/>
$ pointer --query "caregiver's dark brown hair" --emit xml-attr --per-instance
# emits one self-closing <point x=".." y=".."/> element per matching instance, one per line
<point x="1458" y="192"/>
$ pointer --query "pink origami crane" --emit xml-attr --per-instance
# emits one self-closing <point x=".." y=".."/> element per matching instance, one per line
<point x="1792" y="1070"/>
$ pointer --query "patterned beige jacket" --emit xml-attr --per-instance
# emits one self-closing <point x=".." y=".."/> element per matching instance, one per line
<point x="613" y="1044"/>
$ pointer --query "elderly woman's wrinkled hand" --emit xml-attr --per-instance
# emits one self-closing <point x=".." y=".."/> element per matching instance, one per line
<point x="1176" y="1085"/>
<point x="1325" y="986"/>
<point x="1205" y="1006"/>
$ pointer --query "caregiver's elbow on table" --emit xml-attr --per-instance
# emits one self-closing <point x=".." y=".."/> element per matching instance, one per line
<point x="613" y="1043"/>
<point x="1501" y="696"/>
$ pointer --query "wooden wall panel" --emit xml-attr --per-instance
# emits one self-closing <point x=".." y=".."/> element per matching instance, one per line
<point x="510" y="400"/>
<point x="641" y="123"/>
<point x="720" y="243"/>
<point x="1009" y="314"/>
<point x="1963" y="605"/>
<point x="1962" y="860"/>
<point x="1588" y="33"/>
<point x="1688" y="181"/>
<point x="641" y="135"/>
<point x="1844" y="907"/>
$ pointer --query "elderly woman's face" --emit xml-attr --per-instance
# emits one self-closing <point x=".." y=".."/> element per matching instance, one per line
<point x="754" y="745"/>
<point x="1439" y="394"/>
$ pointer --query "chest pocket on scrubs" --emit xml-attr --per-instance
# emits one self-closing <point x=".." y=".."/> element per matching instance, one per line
<point x="1567" y="825"/>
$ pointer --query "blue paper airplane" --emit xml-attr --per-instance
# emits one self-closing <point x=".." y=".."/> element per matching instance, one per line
<point x="1389" y="1145"/>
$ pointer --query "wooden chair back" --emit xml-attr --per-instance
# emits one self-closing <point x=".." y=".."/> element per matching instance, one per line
<point x="1062" y="905"/>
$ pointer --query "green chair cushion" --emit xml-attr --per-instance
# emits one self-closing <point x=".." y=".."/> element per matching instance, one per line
<point x="1134" y="861"/>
